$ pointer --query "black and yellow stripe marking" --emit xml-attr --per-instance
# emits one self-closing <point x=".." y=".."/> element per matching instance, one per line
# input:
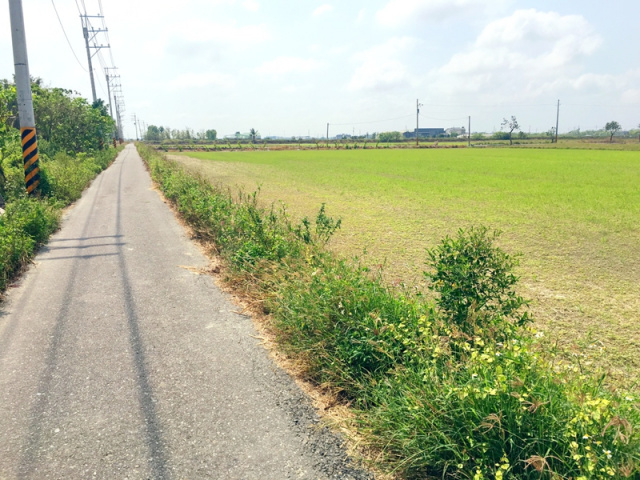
<point x="30" y="157"/>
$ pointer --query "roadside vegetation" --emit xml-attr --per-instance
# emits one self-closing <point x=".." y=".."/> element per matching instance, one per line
<point x="449" y="386"/>
<point x="73" y="146"/>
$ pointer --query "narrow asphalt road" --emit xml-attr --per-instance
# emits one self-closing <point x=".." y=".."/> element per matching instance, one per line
<point x="117" y="361"/>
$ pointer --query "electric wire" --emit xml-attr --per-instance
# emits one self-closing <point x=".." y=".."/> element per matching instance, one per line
<point x="374" y="121"/>
<point x="628" y="105"/>
<point x="444" y="119"/>
<point x="65" y="36"/>
<point x="87" y="24"/>
<point x="487" y="105"/>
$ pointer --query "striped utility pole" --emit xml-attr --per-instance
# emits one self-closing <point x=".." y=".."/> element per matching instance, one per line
<point x="25" y="99"/>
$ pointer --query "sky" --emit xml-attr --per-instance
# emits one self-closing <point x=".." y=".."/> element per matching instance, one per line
<point x="287" y="68"/>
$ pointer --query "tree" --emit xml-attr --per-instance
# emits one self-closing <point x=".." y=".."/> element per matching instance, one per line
<point x="551" y="133"/>
<point x="211" y="134"/>
<point x="612" y="128"/>
<point x="68" y="123"/>
<point x="253" y="133"/>
<point x="511" y="126"/>
<point x="153" y="134"/>
<point x="390" y="137"/>
<point x="8" y="135"/>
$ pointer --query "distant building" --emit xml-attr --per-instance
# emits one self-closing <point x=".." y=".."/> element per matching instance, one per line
<point x="425" y="133"/>
<point x="343" y="136"/>
<point x="456" y="131"/>
<point x="241" y="136"/>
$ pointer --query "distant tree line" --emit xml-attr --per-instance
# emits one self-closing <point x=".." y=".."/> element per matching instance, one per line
<point x="160" y="134"/>
<point x="510" y="131"/>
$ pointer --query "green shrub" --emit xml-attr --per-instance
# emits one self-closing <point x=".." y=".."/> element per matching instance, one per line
<point x="475" y="283"/>
<point x="26" y="224"/>
<point x="28" y="221"/>
<point x="69" y="176"/>
<point x="503" y="413"/>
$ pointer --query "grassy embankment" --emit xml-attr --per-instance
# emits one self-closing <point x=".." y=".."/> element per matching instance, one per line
<point x="28" y="221"/>
<point x="451" y="389"/>
<point x="574" y="214"/>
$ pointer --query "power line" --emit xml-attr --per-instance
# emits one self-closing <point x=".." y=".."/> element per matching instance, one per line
<point x="79" y="9"/>
<point x="65" y="36"/>
<point x="446" y="119"/>
<point x="374" y="121"/>
<point x="486" y="105"/>
<point x="628" y="105"/>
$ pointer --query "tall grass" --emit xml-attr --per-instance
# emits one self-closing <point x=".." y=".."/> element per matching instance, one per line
<point x="26" y="224"/>
<point x="67" y="176"/>
<point x="28" y="221"/>
<point x="440" y="393"/>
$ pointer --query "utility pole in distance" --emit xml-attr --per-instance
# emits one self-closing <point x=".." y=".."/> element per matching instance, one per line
<point x="119" y="116"/>
<point x="557" y="121"/>
<point x="418" y="105"/>
<point x="86" y="30"/>
<point x="25" y="99"/>
<point x="110" y="78"/>
<point x="135" y="122"/>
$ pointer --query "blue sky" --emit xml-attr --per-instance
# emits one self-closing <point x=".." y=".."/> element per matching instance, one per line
<point x="289" y="68"/>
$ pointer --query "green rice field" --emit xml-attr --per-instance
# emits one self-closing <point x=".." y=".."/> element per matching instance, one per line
<point x="574" y="214"/>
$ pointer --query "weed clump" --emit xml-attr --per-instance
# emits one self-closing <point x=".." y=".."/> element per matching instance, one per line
<point x="475" y="284"/>
<point x="28" y="221"/>
<point x="455" y="388"/>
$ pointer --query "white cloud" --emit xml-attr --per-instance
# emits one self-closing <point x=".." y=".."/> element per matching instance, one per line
<point x="400" y="12"/>
<point x="187" y="80"/>
<point x="287" y="65"/>
<point x="229" y="34"/>
<point x="323" y="10"/>
<point x="592" y="84"/>
<point x="251" y="5"/>
<point x="529" y="31"/>
<point x="380" y="67"/>
<point x="631" y="96"/>
<point x="521" y="53"/>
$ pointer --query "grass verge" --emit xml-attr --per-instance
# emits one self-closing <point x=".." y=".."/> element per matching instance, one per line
<point x="28" y="221"/>
<point x="447" y="389"/>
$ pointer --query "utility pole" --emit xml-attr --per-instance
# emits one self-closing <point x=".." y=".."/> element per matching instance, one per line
<point x="327" y="133"/>
<point x="24" y="97"/>
<point x="115" y="88"/>
<point x="418" y="105"/>
<point x="89" y="36"/>
<point x="557" y="120"/>
<point x="110" y="78"/>
<point x="119" y="120"/>
<point x="469" y="134"/>
<point x="135" y="122"/>
<point x="113" y="135"/>
<point x="109" y="94"/>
